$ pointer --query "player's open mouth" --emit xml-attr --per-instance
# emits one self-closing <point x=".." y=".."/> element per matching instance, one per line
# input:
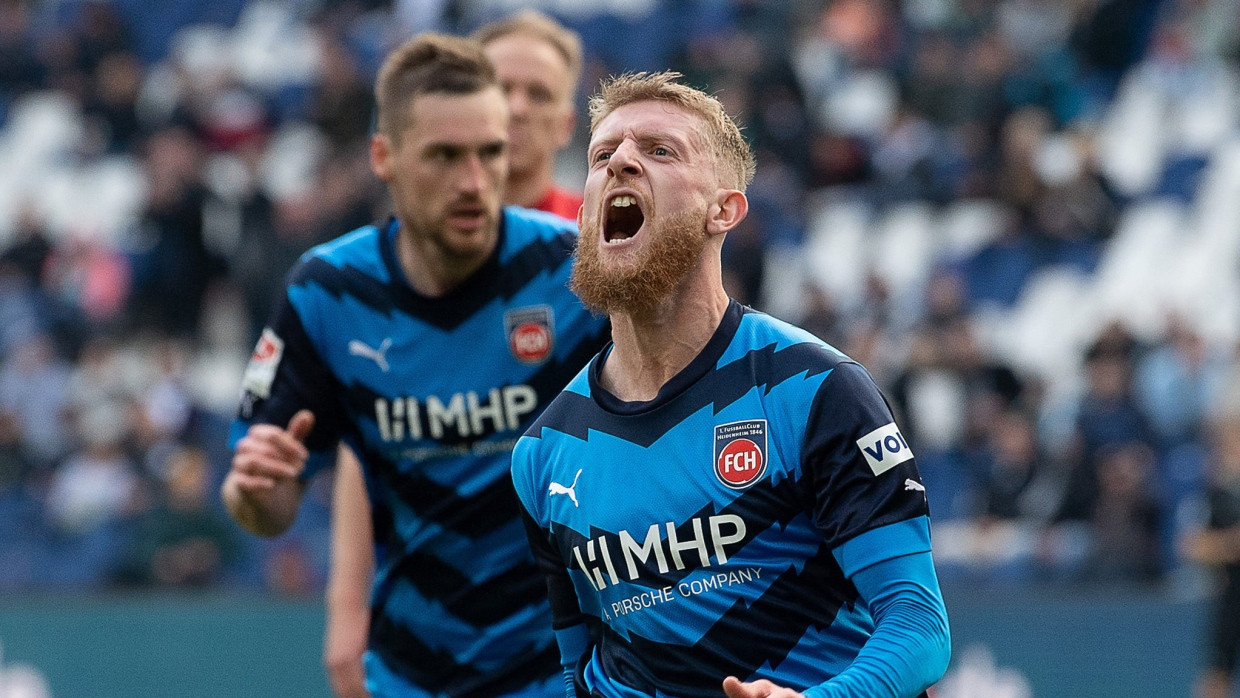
<point x="623" y="218"/>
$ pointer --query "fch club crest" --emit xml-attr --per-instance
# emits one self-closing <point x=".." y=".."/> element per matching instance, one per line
<point x="530" y="332"/>
<point x="740" y="453"/>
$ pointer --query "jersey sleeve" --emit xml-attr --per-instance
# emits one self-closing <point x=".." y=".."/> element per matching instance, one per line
<point x="911" y="644"/>
<point x="285" y="374"/>
<point x="860" y="468"/>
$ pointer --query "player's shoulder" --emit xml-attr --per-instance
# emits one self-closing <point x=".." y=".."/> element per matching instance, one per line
<point x="360" y="249"/>
<point x="523" y="225"/>
<point x="758" y="330"/>
<point x="572" y="405"/>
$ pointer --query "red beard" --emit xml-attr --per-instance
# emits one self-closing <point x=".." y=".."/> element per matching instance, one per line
<point x="641" y="286"/>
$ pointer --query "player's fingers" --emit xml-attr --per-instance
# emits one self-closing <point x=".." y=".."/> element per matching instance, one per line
<point x="253" y="483"/>
<point x="301" y="424"/>
<point x="734" y="688"/>
<point x="271" y="441"/>
<point x="266" y="460"/>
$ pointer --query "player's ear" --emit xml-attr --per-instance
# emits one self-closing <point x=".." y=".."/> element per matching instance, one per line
<point x="567" y="126"/>
<point x="380" y="156"/>
<point x="727" y="211"/>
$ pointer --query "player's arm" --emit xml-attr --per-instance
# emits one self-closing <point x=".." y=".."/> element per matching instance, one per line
<point x="349" y="580"/>
<point x="911" y="644"/>
<point x="263" y="488"/>
<point x="572" y="634"/>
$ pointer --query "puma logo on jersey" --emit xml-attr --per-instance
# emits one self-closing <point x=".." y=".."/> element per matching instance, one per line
<point x="379" y="356"/>
<point x="571" y="491"/>
<point x="911" y="484"/>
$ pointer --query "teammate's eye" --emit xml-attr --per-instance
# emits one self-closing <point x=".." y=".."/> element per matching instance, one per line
<point x="602" y="155"/>
<point x="541" y="95"/>
<point x="661" y="151"/>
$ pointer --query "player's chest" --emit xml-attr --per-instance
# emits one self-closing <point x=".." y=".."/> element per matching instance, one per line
<point x="641" y="476"/>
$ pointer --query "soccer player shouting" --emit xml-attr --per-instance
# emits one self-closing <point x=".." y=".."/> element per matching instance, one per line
<point x="426" y="343"/>
<point x="719" y="497"/>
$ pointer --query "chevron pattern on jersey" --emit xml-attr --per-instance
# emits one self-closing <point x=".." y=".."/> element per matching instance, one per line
<point x="758" y="506"/>
<point x="496" y="280"/>
<point x="440" y="674"/>
<point x="719" y="388"/>
<point x="765" y="624"/>
<point x="547" y="381"/>
<point x="478" y="604"/>
<point x="693" y="575"/>
<point x="449" y="542"/>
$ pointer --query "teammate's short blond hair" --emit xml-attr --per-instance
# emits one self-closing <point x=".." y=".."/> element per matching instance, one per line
<point x="537" y="25"/>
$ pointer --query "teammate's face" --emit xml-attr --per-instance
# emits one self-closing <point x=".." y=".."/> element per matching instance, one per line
<point x="643" y="224"/>
<point x="539" y="89"/>
<point x="446" y="171"/>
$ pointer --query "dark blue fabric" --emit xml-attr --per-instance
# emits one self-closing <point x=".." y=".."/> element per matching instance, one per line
<point x="695" y="532"/>
<point x="431" y="393"/>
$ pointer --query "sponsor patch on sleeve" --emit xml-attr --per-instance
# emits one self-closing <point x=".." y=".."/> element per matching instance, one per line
<point x="884" y="448"/>
<point x="261" y="371"/>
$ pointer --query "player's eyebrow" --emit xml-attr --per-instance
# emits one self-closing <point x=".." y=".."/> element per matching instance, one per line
<point x="645" y="140"/>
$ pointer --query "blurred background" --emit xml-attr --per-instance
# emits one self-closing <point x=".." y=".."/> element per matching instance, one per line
<point x="1023" y="216"/>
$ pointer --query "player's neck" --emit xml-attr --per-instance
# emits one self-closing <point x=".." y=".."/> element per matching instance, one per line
<point x="529" y="190"/>
<point x="652" y="347"/>
<point x="433" y="271"/>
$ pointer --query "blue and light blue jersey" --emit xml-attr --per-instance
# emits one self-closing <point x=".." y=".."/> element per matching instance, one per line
<point x="715" y="529"/>
<point x="432" y="393"/>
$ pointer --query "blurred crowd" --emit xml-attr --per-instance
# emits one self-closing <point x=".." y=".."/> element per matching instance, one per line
<point x="159" y="176"/>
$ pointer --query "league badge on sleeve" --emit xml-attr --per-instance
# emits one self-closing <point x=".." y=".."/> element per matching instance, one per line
<point x="530" y="332"/>
<point x="261" y="371"/>
<point x="740" y="453"/>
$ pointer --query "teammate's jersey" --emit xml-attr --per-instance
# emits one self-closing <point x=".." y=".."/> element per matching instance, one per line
<point x="713" y="530"/>
<point x="432" y="393"/>
<point x="561" y="202"/>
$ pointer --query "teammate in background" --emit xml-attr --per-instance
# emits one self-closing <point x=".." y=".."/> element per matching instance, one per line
<point x="538" y="63"/>
<point x="720" y="496"/>
<point x="426" y="343"/>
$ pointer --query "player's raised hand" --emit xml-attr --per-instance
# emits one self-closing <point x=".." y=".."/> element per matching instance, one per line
<point x="268" y="454"/>
<point x="263" y="490"/>
<point x="735" y="688"/>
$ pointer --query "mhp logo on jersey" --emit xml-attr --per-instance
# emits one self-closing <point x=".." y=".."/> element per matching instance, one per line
<point x="740" y="452"/>
<point x="531" y="333"/>
<point x="884" y="448"/>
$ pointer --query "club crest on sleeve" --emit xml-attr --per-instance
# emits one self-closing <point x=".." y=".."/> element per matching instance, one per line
<point x="530" y="332"/>
<point x="884" y="448"/>
<point x="740" y="453"/>
<point x="260" y="373"/>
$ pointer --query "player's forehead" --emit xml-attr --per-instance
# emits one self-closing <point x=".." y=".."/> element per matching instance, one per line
<point x="456" y="118"/>
<point x="524" y="55"/>
<point x="649" y="120"/>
